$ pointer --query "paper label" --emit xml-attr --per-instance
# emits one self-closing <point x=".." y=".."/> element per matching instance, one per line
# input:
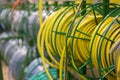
<point x="97" y="1"/>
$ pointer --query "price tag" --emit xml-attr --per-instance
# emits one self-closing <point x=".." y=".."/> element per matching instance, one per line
<point x="97" y="1"/>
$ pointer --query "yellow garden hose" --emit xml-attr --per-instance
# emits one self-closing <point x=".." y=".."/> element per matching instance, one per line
<point x="115" y="1"/>
<point x="87" y="26"/>
<point x="88" y="1"/>
<point x="61" y="63"/>
<point x="40" y="11"/>
<point x="48" y="24"/>
<point x="60" y="39"/>
<point x="113" y="36"/>
<point x="118" y="59"/>
<point x="118" y="66"/>
<point x="116" y="48"/>
<point x="40" y="48"/>
<point x="52" y="39"/>
<point x="46" y="28"/>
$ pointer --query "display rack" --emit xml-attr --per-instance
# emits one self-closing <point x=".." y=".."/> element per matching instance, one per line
<point x="103" y="9"/>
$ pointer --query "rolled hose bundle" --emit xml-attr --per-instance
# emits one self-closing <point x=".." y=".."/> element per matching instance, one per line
<point x="19" y="21"/>
<point x="22" y="22"/>
<point x="43" y="76"/>
<point x="103" y="38"/>
<point x="33" y="24"/>
<point x="34" y="68"/>
<point x="16" y="62"/>
<point x="116" y="48"/>
<point x="26" y="24"/>
<point x="52" y="38"/>
<point x="53" y="35"/>
<point x="7" y="47"/>
<point x="10" y="49"/>
<point x="5" y="18"/>
<point x="43" y="30"/>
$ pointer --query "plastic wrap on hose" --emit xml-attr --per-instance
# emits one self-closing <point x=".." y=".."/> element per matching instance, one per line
<point x="34" y="68"/>
<point x="9" y="50"/>
<point x="33" y="21"/>
<point x="8" y="47"/>
<point x="1" y="27"/>
<point x="3" y="43"/>
<point x="19" y="21"/>
<point x="5" y="18"/>
<point x="3" y="35"/>
<point x="45" y="14"/>
<point x="17" y="61"/>
<point x="33" y="27"/>
<point x="12" y="53"/>
<point x="22" y="23"/>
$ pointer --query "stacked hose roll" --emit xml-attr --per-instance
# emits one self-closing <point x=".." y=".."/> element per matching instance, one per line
<point x="116" y="48"/>
<point x="19" y="21"/>
<point x="5" y="18"/>
<point x="33" y="21"/>
<point x="104" y="37"/>
<point x="53" y="34"/>
<point x="22" y="22"/>
<point x="87" y="26"/>
<point x="59" y="37"/>
<point x="7" y="46"/>
<point x="13" y="53"/>
<point x="34" y="68"/>
<point x="16" y="62"/>
<point x="43" y="76"/>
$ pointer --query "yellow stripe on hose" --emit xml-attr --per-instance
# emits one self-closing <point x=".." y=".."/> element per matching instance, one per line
<point x="106" y="59"/>
<point x="118" y="61"/>
<point x="96" y="42"/>
<point x="61" y="63"/>
<point x="87" y="26"/>
<point x="48" y="36"/>
<point x="40" y="44"/>
<point x="118" y="67"/>
<point x="115" y="1"/>
<point x="40" y="11"/>
<point x="116" y="49"/>
<point x="63" y="27"/>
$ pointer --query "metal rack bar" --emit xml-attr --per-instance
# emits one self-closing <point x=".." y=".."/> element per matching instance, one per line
<point x="106" y="7"/>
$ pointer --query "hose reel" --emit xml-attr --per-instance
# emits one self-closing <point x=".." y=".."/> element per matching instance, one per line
<point x="60" y="38"/>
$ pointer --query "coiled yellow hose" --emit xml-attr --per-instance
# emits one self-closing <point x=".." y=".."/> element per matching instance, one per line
<point x="40" y="11"/>
<point x="52" y="39"/>
<point x="118" y="63"/>
<point x="87" y="26"/>
<point x="116" y="48"/>
<point x="101" y="47"/>
<point x="115" y="1"/>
